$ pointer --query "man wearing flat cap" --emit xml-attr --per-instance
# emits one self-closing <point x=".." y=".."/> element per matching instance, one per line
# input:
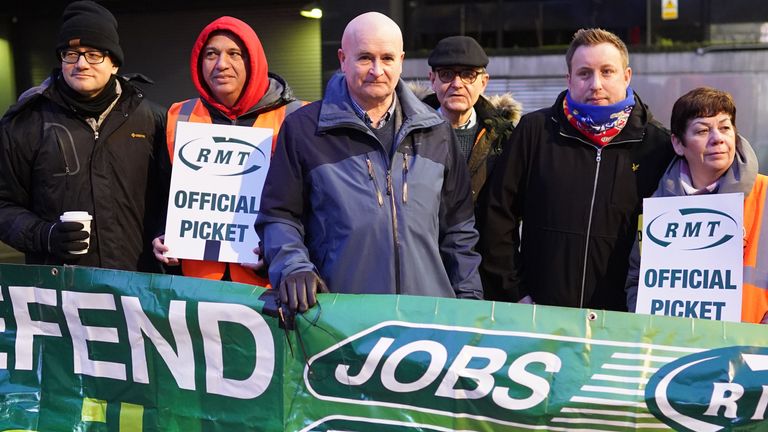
<point x="482" y="125"/>
<point x="85" y="140"/>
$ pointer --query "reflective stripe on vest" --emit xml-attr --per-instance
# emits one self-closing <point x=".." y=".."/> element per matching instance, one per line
<point x="753" y="274"/>
<point x="755" y="278"/>
<point x="193" y="110"/>
<point x="186" y="109"/>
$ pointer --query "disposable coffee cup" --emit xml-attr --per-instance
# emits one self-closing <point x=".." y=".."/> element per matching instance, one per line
<point x="84" y="218"/>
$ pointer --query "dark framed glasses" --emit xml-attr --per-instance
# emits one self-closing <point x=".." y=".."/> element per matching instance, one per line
<point x="467" y="76"/>
<point x="92" y="57"/>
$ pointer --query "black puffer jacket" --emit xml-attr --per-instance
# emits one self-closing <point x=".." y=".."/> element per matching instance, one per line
<point x="52" y="161"/>
<point x="579" y="206"/>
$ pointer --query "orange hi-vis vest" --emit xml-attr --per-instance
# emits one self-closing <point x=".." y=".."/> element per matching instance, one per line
<point x="193" y="110"/>
<point x="754" y="302"/>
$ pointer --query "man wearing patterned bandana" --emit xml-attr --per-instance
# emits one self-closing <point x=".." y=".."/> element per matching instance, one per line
<point x="576" y="173"/>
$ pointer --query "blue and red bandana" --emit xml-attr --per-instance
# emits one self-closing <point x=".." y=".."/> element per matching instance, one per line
<point x="599" y="123"/>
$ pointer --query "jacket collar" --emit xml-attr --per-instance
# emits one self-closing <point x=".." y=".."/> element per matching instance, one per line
<point x="336" y="110"/>
<point x="278" y="94"/>
<point x="484" y="109"/>
<point x="633" y="131"/>
<point x="45" y="89"/>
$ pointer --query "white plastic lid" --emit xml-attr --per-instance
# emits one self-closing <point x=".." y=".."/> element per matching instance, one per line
<point x="76" y="216"/>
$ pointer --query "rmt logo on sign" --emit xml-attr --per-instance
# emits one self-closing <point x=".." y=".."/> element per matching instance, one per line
<point x="725" y="388"/>
<point x="692" y="229"/>
<point x="221" y="156"/>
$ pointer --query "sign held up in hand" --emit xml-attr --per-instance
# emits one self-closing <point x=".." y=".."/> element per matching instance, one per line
<point x="218" y="174"/>
<point x="692" y="257"/>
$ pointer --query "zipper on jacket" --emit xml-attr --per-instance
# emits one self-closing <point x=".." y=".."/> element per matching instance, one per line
<point x="66" y="174"/>
<point x="392" y="200"/>
<point x="594" y="192"/>
<point x="64" y="156"/>
<point x="589" y="226"/>
<point x="395" y="236"/>
<point x="372" y="176"/>
<point x="94" y="224"/>
<point x="389" y="163"/>
<point x="405" y="178"/>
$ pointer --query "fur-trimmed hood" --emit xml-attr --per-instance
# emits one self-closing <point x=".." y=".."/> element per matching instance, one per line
<point x="505" y="104"/>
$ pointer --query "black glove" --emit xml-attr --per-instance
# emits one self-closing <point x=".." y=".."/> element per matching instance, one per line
<point x="65" y="238"/>
<point x="297" y="290"/>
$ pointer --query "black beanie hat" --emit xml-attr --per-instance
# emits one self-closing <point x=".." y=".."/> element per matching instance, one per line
<point x="458" y="51"/>
<point x="86" y="23"/>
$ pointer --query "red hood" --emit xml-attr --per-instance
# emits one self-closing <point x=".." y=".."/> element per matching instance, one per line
<point x="257" y="82"/>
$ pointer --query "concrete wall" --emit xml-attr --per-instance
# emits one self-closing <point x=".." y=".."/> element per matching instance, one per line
<point x="659" y="79"/>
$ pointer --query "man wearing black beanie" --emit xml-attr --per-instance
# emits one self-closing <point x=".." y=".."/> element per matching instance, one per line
<point x="86" y="140"/>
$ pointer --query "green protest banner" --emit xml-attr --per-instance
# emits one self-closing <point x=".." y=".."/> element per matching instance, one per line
<point x="99" y="350"/>
<point x="104" y="350"/>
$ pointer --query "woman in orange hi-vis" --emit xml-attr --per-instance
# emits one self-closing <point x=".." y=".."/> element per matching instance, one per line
<point x="713" y="158"/>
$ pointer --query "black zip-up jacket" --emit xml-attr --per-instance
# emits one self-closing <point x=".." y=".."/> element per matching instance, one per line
<point x="578" y="204"/>
<point x="52" y="161"/>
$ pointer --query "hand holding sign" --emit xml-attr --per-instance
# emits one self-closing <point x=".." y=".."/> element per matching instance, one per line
<point x="259" y="265"/>
<point x="160" y="249"/>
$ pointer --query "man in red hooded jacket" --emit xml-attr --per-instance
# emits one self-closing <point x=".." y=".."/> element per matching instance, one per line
<point x="229" y="70"/>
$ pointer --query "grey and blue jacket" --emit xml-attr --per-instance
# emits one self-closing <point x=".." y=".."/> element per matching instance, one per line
<point x="337" y="202"/>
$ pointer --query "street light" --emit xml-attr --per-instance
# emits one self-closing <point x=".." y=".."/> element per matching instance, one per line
<point x="311" y="10"/>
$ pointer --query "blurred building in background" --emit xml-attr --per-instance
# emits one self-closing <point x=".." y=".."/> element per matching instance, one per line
<point x="674" y="45"/>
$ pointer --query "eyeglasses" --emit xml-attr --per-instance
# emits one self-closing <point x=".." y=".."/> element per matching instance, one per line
<point x="468" y="76"/>
<point x="92" y="57"/>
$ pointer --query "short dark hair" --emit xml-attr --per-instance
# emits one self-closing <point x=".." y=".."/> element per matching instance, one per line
<point x="592" y="37"/>
<point x="700" y="102"/>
